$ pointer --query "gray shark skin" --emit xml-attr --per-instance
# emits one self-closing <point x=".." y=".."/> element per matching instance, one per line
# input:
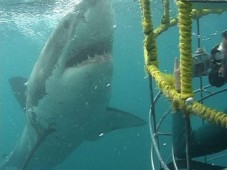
<point x="68" y="91"/>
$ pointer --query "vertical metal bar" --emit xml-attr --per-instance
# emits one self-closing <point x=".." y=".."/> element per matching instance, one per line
<point x="174" y="160"/>
<point x="152" y="110"/>
<point x="200" y="78"/>
<point x="201" y="96"/>
<point x="198" y="33"/>
<point x="201" y="87"/>
<point x="188" y="140"/>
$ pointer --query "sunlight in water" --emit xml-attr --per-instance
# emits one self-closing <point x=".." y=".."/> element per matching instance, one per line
<point x="34" y="20"/>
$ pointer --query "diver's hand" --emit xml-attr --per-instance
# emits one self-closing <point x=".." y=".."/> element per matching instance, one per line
<point x="176" y="74"/>
<point x="221" y="72"/>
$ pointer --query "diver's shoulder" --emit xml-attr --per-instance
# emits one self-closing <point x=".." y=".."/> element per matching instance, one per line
<point x="214" y="50"/>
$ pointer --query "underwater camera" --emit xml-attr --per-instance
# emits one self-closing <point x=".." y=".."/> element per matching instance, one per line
<point x="201" y="62"/>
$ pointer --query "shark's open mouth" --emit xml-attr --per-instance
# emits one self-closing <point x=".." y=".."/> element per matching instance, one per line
<point x="94" y="54"/>
<point x="88" y="59"/>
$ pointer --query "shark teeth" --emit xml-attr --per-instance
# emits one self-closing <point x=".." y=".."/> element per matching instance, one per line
<point x="78" y="61"/>
<point x="97" y="58"/>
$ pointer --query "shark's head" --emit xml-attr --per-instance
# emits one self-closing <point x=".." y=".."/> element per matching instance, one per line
<point x="79" y="49"/>
<point x="92" y="37"/>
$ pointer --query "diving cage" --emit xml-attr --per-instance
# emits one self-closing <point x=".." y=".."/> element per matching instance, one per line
<point x="150" y="53"/>
<point x="171" y="162"/>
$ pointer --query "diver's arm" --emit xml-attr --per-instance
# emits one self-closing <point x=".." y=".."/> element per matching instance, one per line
<point x="205" y="140"/>
<point x="178" y="119"/>
<point x="179" y="134"/>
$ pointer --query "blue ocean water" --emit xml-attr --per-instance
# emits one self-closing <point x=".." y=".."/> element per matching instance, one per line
<point x="22" y="39"/>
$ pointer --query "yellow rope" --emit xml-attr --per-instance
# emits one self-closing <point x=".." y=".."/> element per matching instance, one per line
<point x="150" y="53"/>
<point x="166" y="16"/>
<point x="150" y="47"/>
<point x="185" y="29"/>
<point x="212" y="115"/>
<point x="219" y="118"/>
<point x="195" y="14"/>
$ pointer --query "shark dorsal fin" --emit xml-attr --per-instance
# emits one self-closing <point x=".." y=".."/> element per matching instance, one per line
<point x="18" y="87"/>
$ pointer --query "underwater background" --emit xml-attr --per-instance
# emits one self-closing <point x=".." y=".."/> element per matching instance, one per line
<point x="23" y="33"/>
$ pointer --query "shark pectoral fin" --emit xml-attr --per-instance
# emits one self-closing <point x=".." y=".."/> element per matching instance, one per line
<point x="119" y="119"/>
<point x="18" y="87"/>
<point x="115" y="119"/>
<point x="2" y="158"/>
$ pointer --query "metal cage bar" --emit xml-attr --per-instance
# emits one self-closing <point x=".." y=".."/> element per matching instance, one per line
<point x="155" y="130"/>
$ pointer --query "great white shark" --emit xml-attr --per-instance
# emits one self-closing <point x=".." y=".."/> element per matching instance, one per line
<point x="66" y="98"/>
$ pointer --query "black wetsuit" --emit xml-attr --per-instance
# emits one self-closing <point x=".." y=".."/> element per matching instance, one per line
<point x="206" y="139"/>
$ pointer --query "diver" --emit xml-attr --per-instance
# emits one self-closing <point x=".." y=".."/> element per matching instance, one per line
<point x="218" y="74"/>
<point x="208" y="138"/>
